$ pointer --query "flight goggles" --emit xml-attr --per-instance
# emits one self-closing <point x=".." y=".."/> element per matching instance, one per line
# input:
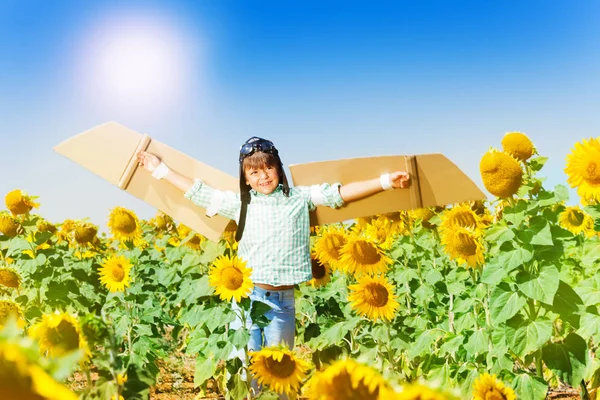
<point x="255" y="144"/>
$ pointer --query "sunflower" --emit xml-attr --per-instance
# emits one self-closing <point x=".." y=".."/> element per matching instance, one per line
<point x="22" y="380"/>
<point x="231" y="278"/>
<point x="501" y="173"/>
<point x="575" y="220"/>
<point x="423" y="214"/>
<point x="278" y="368"/>
<point x="66" y="230"/>
<point x="162" y="222"/>
<point x="194" y="240"/>
<point x="45" y="226"/>
<point x="461" y="215"/>
<point x="487" y="387"/>
<point x="59" y="334"/>
<point x="9" y="225"/>
<point x="321" y="273"/>
<point x="10" y="309"/>
<point x="583" y="169"/>
<point x="124" y="225"/>
<point x="328" y="245"/>
<point x="18" y="202"/>
<point x="10" y="278"/>
<point x="85" y="233"/>
<point x="463" y="245"/>
<point x="518" y="145"/>
<point x="114" y="273"/>
<point x="362" y="255"/>
<point x="401" y="222"/>
<point x="382" y="231"/>
<point x="347" y="380"/>
<point x="373" y="297"/>
<point x="419" y="392"/>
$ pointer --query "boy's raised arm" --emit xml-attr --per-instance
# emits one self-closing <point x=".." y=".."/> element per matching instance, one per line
<point x="152" y="164"/>
<point x="359" y="190"/>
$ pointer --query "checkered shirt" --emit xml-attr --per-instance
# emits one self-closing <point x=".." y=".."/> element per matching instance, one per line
<point x="276" y="239"/>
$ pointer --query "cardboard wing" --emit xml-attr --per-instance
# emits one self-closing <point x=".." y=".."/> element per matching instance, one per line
<point x="435" y="181"/>
<point x="109" y="150"/>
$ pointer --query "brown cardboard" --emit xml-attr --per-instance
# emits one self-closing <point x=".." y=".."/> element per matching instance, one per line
<point x="435" y="181"/>
<point x="109" y="150"/>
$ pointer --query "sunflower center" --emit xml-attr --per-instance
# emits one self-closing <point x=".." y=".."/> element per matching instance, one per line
<point x="333" y="244"/>
<point x="124" y="223"/>
<point x="318" y="269"/>
<point x="345" y="390"/>
<point x="592" y="173"/>
<point x="575" y="218"/>
<point x="365" y="253"/>
<point x="232" y="278"/>
<point x="376" y="295"/>
<point x="494" y="394"/>
<point x="64" y="335"/>
<point x="7" y="309"/>
<point x="9" y="279"/>
<point x="465" y="245"/>
<point x="281" y="369"/>
<point x="117" y="272"/>
<point x="85" y="234"/>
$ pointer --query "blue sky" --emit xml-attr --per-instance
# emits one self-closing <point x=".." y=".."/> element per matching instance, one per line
<point x="323" y="80"/>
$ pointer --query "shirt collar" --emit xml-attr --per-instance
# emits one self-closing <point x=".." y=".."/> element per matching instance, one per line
<point x="278" y="190"/>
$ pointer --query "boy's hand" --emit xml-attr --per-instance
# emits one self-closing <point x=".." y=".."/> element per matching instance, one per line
<point x="400" y="179"/>
<point x="148" y="160"/>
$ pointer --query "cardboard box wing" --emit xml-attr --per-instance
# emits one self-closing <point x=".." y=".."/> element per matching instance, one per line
<point x="109" y="150"/>
<point x="435" y="181"/>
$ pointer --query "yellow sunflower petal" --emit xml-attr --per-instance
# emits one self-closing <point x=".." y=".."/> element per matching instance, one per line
<point x="518" y="145"/>
<point x="487" y="387"/>
<point x="583" y="169"/>
<point x="373" y="297"/>
<point x="114" y="274"/>
<point x="231" y="278"/>
<point x="347" y="380"/>
<point x="278" y="368"/>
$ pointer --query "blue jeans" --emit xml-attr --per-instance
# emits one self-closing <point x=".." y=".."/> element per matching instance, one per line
<point x="282" y="315"/>
<point x="281" y="329"/>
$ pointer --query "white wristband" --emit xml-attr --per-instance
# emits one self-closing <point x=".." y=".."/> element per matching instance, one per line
<point x="386" y="182"/>
<point x="161" y="171"/>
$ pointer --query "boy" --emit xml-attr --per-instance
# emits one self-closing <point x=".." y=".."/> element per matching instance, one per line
<point x="273" y="225"/>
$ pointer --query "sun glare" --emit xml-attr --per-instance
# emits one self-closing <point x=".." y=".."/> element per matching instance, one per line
<point x="137" y="60"/>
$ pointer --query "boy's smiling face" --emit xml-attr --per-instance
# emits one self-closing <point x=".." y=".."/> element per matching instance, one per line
<point x="264" y="179"/>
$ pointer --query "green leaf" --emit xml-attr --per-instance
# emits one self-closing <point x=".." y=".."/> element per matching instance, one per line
<point x="591" y="253"/>
<point x="537" y="163"/>
<point x="236" y="387"/>
<point x="499" y="234"/>
<point x="466" y="387"/>
<point x="568" y="359"/>
<point x="257" y="313"/>
<point x="528" y="336"/>
<point x="205" y="368"/>
<point x="478" y="343"/>
<point x="334" y="334"/>
<point x="424" y="343"/>
<point x="494" y="271"/>
<point x="530" y="387"/>
<point x="505" y="303"/>
<point x="516" y="214"/>
<point x="538" y="232"/>
<point x="452" y="344"/>
<point x="540" y="286"/>
<point x="240" y="338"/>
<point x="589" y="290"/>
<point x="589" y="326"/>
<point x="567" y="304"/>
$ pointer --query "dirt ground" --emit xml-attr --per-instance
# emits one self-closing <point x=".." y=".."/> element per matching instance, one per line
<point x="177" y="383"/>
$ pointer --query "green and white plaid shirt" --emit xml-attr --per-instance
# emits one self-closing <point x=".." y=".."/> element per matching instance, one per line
<point x="276" y="240"/>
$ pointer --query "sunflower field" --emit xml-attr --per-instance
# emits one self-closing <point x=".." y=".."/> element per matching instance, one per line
<point x="483" y="300"/>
